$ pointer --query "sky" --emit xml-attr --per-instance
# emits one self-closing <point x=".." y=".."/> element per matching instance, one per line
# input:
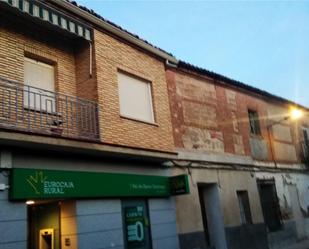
<point x="264" y="44"/>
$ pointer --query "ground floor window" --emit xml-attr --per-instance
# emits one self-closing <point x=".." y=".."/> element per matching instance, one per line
<point x="244" y="207"/>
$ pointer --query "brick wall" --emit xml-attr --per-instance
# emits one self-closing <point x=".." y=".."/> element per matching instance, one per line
<point x="208" y="116"/>
<point x="86" y="81"/>
<point x="111" y="56"/>
<point x="97" y="81"/>
<point x="19" y="39"/>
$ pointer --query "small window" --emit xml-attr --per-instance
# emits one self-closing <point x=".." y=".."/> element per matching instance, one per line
<point x="244" y="207"/>
<point x="254" y="122"/>
<point x="135" y="98"/>
<point x="39" y="80"/>
<point x="305" y="144"/>
<point x="306" y="134"/>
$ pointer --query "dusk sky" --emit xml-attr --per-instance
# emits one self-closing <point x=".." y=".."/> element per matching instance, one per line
<point x="261" y="43"/>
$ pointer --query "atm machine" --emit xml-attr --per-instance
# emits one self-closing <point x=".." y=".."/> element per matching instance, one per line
<point x="46" y="238"/>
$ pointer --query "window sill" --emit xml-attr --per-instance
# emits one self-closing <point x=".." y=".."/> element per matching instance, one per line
<point x="139" y="120"/>
<point x="260" y="137"/>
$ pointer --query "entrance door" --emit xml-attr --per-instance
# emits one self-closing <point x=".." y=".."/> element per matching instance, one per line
<point x="212" y="217"/>
<point x="136" y="224"/>
<point x="270" y="204"/>
<point x="44" y="227"/>
<point x="298" y="216"/>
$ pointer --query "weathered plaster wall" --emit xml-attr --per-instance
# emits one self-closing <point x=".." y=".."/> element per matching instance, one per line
<point x="209" y="117"/>
<point x="284" y="136"/>
<point x="189" y="217"/>
<point x="295" y="227"/>
<point x="229" y="182"/>
<point x="283" y="180"/>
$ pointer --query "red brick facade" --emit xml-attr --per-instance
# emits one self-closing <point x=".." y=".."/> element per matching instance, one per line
<point x="211" y="116"/>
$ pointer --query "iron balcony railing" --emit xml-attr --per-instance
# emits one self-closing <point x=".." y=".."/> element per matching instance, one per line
<point x="34" y="110"/>
<point x="305" y="151"/>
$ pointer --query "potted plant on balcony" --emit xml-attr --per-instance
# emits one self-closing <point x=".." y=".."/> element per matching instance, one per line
<point x="56" y="128"/>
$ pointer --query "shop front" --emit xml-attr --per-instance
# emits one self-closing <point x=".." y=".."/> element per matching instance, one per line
<point x="78" y="209"/>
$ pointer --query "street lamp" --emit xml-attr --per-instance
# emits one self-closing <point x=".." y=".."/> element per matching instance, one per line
<point x="294" y="114"/>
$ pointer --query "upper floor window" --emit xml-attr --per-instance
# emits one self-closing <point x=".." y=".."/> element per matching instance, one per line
<point x="305" y="144"/>
<point x="135" y="98"/>
<point x="39" y="79"/>
<point x="244" y="207"/>
<point x="254" y="122"/>
<point x="306" y="134"/>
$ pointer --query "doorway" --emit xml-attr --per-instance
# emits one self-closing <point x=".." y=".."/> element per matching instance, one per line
<point x="44" y="226"/>
<point x="212" y="216"/>
<point x="270" y="204"/>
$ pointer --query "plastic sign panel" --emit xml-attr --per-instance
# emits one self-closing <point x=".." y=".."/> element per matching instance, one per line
<point x="179" y="185"/>
<point x="42" y="184"/>
<point x="135" y="226"/>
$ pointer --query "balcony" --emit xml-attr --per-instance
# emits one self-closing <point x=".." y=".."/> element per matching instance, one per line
<point x="305" y="152"/>
<point x="37" y="111"/>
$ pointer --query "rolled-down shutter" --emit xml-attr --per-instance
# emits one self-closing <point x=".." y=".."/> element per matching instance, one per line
<point x="39" y="80"/>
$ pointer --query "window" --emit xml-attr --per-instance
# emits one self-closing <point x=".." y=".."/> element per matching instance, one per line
<point x="305" y="144"/>
<point x="135" y="98"/>
<point x="39" y="79"/>
<point x="306" y="134"/>
<point x="254" y="122"/>
<point x="244" y="207"/>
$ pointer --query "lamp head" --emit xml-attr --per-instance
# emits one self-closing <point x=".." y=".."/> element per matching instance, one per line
<point x="296" y="114"/>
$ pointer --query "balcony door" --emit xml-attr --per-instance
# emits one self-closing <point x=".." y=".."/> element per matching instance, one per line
<point x="39" y="89"/>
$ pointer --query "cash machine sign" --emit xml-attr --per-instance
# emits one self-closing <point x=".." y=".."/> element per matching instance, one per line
<point x="135" y="226"/>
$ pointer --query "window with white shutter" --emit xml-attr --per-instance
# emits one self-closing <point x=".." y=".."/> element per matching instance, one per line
<point x="39" y="89"/>
<point x="135" y="98"/>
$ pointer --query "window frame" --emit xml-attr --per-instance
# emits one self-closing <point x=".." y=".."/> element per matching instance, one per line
<point x="30" y="88"/>
<point x="254" y="122"/>
<point x="150" y="99"/>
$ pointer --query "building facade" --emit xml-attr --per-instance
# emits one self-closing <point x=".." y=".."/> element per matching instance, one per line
<point x="85" y="129"/>
<point x="107" y="141"/>
<point x="245" y="158"/>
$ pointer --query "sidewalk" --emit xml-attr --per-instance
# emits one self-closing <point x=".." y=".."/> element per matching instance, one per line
<point x="301" y="245"/>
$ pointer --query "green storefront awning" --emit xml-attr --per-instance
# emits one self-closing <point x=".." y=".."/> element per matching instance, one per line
<point x="44" y="184"/>
<point x="47" y="14"/>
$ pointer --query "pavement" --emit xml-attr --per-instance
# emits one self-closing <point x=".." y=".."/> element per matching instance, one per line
<point x="300" y="245"/>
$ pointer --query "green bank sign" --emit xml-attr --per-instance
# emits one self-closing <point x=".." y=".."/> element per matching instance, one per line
<point x="42" y="184"/>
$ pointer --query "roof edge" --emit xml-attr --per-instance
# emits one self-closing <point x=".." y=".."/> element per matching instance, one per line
<point x="235" y="83"/>
<point x="114" y="30"/>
